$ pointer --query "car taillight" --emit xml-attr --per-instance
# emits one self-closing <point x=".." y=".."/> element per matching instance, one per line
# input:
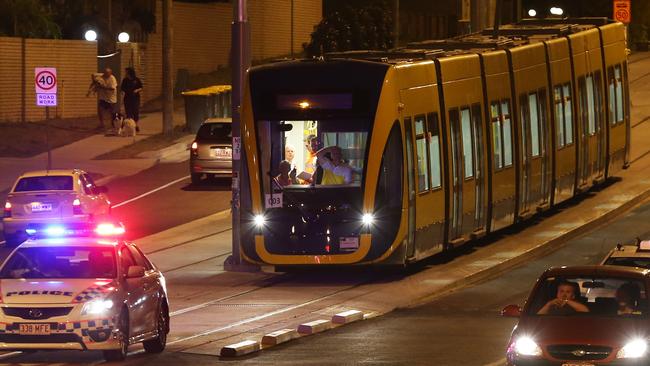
<point x="7" y="210"/>
<point x="194" y="148"/>
<point x="76" y="207"/>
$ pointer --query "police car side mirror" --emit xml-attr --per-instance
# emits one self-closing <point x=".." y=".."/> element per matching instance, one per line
<point x="135" y="272"/>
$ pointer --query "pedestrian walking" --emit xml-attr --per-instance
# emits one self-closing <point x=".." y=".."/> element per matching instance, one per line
<point x="105" y="85"/>
<point x="132" y="87"/>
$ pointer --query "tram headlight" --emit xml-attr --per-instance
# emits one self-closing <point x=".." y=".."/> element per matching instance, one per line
<point x="368" y="219"/>
<point x="259" y="220"/>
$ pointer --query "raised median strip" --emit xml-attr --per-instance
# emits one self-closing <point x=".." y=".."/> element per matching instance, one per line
<point x="240" y="349"/>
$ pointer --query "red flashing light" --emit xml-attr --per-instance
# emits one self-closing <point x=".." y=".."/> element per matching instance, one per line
<point x="7" y="210"/>
<point x="109" y="229"/>
<point x="194" y="148"/>
<point x="327" y="248"/>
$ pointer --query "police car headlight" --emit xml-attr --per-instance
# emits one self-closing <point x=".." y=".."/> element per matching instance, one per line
<point x="97" y="307"/>
<point x="636" y="348"/>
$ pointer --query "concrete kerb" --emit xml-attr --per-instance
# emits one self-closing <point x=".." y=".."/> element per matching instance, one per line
<point x="180" y="146"/>
<point x="540" y="250"/>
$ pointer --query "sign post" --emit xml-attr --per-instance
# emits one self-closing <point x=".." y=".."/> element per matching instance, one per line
<point x="45" y="83"/>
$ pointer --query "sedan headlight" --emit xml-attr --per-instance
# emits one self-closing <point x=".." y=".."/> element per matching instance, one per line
<point x="636" y="348"/>
<point x="97" y="307"/>
<point x="525" y="346"/>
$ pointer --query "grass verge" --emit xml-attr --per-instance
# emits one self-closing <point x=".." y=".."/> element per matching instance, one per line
<point x="151" y="143"/>
<point x="22" y="140"/>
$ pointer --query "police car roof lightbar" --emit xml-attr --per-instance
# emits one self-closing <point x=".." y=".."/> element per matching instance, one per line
<point x="104" y="229"/>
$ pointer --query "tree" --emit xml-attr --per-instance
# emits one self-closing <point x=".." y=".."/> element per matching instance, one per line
<point x="368" y="27"/>
<point x="27" y="18"/>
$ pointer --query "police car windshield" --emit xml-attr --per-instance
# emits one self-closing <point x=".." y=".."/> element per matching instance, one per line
<point x="60" y="262"/>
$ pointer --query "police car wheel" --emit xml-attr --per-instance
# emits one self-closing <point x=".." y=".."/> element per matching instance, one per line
<point x="120" y="354"/>
<point x="158" y="344"/>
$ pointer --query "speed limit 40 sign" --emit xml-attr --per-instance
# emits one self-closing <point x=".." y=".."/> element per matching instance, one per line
<point x="45" y="80"/>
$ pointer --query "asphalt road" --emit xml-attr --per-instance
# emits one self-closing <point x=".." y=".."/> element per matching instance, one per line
<point x="463" y="328"/>
<point x="171" y="206"/>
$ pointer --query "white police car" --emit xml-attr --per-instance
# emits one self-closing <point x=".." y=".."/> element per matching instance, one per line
<point x="630" y="255"/>
<point x="93" y="292"/>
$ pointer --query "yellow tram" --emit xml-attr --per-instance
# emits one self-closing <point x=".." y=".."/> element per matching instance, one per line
<point x="390" y="157"/>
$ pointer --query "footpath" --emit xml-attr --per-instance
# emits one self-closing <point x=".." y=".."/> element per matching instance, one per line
<point x="81" y="154"/>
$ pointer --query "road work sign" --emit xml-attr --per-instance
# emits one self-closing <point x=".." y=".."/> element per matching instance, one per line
<point x="45" y="83"/>
<point x="623" y="11"/>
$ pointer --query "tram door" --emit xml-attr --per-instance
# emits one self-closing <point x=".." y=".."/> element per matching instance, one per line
<point x="410" y="171"/>
<point x="456" y="217"/>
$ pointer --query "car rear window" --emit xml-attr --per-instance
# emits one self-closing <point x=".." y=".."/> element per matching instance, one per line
<point x="47" y="183"/>
<point x="61" y="262"/>
<point x="215" y="131"/>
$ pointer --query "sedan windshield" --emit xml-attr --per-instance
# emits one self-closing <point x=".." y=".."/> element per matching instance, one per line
<point x="590" y="296"/>
<point x="60" y="262"/>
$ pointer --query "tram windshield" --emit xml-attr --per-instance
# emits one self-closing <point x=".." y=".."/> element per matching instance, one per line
<point x="312" y="154"/>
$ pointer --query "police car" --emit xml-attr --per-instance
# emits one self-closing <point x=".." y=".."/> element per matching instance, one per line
<point x="630" y="255"/>
<point x="64" y="288"/>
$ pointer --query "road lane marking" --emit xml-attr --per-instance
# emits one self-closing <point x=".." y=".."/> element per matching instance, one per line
<point x="150" y="192"/>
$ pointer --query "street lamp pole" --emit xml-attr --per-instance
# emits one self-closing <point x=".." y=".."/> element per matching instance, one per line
<point x="240" y="62"/>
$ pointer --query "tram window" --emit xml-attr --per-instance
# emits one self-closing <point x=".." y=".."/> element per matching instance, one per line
<point x="495" y="118"/>
<point x="619" y="94"/>
<point x="591" y="106"/>
<point x="421" y="147"/>
<point x="598" y="101"/>
<point x="568" y="113"/>
<point x="559" y="115"/>
<point x="468" y="156"/>
<point x="389" y="187"/>
<point x="612" y="95"/>
<point x="434" y="150"/>
<point x="507" y="133"/>
<point x="534" y="123"/>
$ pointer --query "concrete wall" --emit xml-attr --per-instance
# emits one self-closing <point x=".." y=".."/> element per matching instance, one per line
<point x="74" y="60"/>
<point x="201" y="41"/>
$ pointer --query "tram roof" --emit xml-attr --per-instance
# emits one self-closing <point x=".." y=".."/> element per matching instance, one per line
<point x="508" y="36"/>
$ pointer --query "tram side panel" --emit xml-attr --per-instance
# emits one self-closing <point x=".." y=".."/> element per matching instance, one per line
<point x="587" y="74"/>
<point x="562" y="117"/>
<point x="421" y="116"/>
<point x="463" y="104"/>
<point x="502" y="180"/>
<point x="615" y="60"/>
<point x="528" y="70"/>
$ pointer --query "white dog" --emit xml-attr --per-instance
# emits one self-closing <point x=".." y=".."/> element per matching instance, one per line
<point x="124" y="126"/>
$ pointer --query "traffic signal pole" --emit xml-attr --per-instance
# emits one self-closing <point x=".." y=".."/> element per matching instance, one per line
<point x="240" y="62"/>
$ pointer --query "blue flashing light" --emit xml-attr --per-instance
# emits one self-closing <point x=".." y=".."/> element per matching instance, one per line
<point x="55" y="231"/>
<point x="30" y="231"/>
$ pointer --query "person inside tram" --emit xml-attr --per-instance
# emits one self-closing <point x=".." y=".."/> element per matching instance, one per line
<point x="289" y="153"/>
<point x="627" y="297"/>
<point x="287" y="175"/>
<point x="565" y="302"/>
<point x="312" y="143"/>
<point x="335" y="170"/>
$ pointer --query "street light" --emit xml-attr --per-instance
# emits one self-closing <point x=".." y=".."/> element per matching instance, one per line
<point x="123" y="37"/>
<point x="532" y="13"/>
<point x="90" y="35"/>
<point x="557" y="11"/>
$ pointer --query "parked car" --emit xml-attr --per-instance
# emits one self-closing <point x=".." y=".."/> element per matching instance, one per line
<point x="82" y="287"/>
<point x="52" y="197"/>
<point x="631" y="255"/>
<point x="211" y="151"/>
<point x="583" y="315"/>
